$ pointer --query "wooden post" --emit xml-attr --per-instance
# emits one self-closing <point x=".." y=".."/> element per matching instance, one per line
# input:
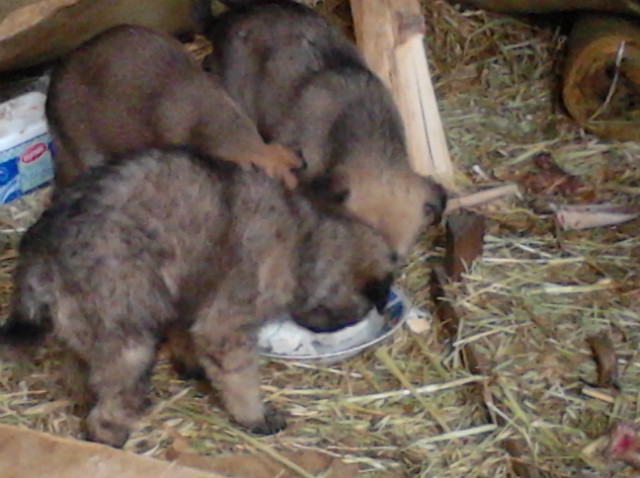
<point x="390" y="35"/>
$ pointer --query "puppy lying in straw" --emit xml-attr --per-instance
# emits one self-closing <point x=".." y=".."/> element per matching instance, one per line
<point x="130" y="88"/>
<point x="306" y="86"/>
<point x="166" y="240"/>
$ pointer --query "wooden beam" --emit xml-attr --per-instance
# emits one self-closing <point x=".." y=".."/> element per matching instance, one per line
<point x="390" y="34"/>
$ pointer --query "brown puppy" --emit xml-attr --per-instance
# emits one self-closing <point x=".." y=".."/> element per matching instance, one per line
<point x="306" y="86"/>
<point x="163" y="240"/>
<point x="130" y="88"/>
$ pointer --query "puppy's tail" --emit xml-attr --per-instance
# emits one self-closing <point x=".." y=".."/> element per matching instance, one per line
<point x="30" y="320"/>
<point x="19" y="330"/>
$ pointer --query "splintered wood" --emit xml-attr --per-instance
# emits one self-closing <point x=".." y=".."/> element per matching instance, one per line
<point x="390" y="35"/>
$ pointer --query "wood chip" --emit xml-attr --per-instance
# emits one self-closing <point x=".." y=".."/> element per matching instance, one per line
<point x="516" y="448"/>
<point x="419" y="321"/>
<point x="604" y="354"/>
<point x="464" y="242"/>
<point x="550" y="178"/>
<point x="481" y="197"/>
<point x="587" y="216"/>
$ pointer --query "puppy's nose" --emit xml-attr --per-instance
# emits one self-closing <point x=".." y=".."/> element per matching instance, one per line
<point x="380" y="306"/>
<point x="377" y="292"/>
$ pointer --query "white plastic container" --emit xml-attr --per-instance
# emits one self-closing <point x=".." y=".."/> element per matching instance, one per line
<point x="26" y="161"/>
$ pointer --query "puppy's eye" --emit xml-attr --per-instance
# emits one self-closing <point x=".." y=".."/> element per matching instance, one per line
<point x="394" y="258"/>
<point x="340" y="196"/>
<point x="325" y="189"/>
<point x="436" y="205"/>
<point x="433" y="212"/>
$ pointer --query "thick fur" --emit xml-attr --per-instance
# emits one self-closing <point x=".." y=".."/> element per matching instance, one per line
<point x="130" y="88"/>
<point x="306" y="86"/>
<point x="165" y="243"/>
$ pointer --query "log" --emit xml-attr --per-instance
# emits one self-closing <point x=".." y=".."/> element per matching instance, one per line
<point x="38" y="31"/>
<point x="546" y="6"/>
<point x="390" y="35"/>
<point x="601" y="79"/>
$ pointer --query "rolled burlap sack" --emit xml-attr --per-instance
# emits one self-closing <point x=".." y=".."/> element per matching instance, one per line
<point x="601" y="84"/>
<point x="545" y="6"/>
<point x="36" y="31"/>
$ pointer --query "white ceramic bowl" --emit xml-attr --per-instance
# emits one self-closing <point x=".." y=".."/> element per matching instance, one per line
<point x="284" y="340"/>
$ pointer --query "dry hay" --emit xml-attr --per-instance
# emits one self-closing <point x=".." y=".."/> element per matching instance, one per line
<point x="527" y="305"/>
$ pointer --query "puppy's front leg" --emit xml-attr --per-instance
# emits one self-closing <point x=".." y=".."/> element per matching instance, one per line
<point x="230" y="359"/>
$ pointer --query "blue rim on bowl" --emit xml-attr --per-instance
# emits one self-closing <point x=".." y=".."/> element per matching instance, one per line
<point x="395" y="315"/>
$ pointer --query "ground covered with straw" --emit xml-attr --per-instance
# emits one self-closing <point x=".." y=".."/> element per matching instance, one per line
<point x="527" y="305"/>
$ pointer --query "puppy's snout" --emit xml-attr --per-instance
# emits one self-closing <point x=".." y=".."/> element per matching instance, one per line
<point x="377" y="292"/>
<point x="323" y="319"/>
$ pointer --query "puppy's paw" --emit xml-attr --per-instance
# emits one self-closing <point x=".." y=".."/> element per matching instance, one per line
<point x="273" y="423"/>
<point x="106" y="432"/>
<point x="279" y="162"/>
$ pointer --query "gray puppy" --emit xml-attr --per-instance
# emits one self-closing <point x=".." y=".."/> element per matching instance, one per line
<point x="161" y="242"/>
<point x="306" y="86"/>
<point x="129" y="88"/>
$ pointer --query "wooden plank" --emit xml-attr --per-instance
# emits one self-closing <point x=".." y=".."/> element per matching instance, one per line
<point x="26" y="453"/>
<point x="390" y="34"/>
<point x="38" y="31"/>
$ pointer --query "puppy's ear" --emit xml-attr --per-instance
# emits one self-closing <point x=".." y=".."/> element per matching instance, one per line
<point x="436" y="203"/>
<point x="377" y="292"/>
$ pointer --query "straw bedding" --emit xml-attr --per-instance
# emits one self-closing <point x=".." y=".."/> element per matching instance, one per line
<point x="527" y="305"/>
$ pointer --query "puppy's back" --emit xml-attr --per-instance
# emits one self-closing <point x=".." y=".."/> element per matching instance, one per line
<point x="286" y="43"/>
<point x="137" y="198"/>
<point x="132" y="63"/>
<point x="310" y="89"/>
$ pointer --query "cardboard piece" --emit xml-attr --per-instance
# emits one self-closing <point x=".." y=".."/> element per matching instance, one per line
<point x="261" y="466"/>
<point x="26" y="453"/>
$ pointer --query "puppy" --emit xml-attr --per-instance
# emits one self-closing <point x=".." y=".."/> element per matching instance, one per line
<point x="306" y="86"/>
<point x="130" y="88"/>
<point x="164" y="242"/>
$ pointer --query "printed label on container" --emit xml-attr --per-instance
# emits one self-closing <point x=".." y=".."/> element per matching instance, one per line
<point x="9" y="189"/>
<point x="25" y="167"/>
<point x="36" y="164"/>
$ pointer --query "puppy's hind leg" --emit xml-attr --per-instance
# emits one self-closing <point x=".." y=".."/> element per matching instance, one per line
<point x="230" y="359"/>
<point x="119" y="377"/>
<point x="183" y="356"/>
